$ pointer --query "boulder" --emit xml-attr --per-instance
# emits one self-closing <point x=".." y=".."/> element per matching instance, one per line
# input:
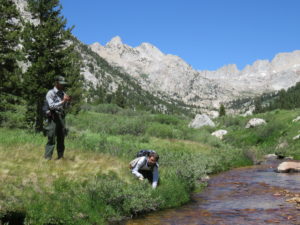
<point x="254" y="122"/>
<point x="296" y="137"/>
<point x="248" y="113"/>
<point x="282" y="145"/>
<point x="219" y="133"/>
<point x="297" y="119"/>
<point x="287" y="167"/>
<point x="205" y="178"/>
<point x="289" y="158"/>
<point x="200" y="121"/>
<point x="270" y="157"/>
<point x="213" y="114"/>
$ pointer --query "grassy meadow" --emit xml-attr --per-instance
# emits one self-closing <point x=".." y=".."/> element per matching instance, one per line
<point x="93" y="184"/>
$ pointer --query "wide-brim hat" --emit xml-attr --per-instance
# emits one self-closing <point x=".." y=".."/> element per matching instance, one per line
<point x="61" y="80"/>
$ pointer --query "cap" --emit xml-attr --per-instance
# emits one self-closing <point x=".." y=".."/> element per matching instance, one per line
<point x="61" y="80"/>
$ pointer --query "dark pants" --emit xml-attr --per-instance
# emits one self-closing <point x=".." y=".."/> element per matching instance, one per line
<point x="55" y="131"/>
<point x="147" y="174"/>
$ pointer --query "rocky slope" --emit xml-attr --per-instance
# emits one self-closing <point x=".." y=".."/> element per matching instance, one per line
<point x="169" y="74"/>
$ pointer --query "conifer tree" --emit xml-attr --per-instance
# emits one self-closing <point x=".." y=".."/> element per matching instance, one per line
<point x="97" y="94"/>
<point x="10" y="74"/>
<point x="119" y="97"/>
<point x="50" y="52"/>
<point x="222" y="111"/>
<point x="257" y="105"/>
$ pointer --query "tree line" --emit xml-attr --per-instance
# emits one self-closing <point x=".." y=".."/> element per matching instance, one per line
<point x="283" y="99"/>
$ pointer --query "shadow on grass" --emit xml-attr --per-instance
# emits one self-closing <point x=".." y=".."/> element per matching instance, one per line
<point x="13" y="218"/>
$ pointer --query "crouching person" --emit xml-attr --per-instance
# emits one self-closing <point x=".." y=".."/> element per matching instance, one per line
<point x="146" y="167"/>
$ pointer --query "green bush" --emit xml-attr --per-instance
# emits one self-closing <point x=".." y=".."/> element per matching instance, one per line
<point x="233" y="121"/>
<point x="173" y="191"/>
<point x="13" y="112"/>
<point x="162" y="131"/>
<point x="15" y="118"/>
<point x="166" y="119"/>
<point x="121" y="198"/>
<point x="107" y="123"/>
<point x="269" y="133"/>
<point x="132" y="113"/>
<point x="203" y="135"/>
<point x="134" y="126"/>
<point x="102" y="108"/>
<point x="68" y="203"/>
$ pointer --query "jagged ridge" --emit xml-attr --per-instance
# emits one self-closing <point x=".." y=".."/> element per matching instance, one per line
<point x="173" y="76"/>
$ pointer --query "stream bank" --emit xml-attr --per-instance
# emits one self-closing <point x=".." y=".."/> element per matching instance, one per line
<point x="248" y="195"/>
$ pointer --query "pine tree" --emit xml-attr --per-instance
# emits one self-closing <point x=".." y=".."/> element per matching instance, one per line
<point x="222" y="111"/>
<point x="119" y="97"/>
<point x="10" y="73"/>
<point x="97" y="94"/>
<point x="257" y="105"/>
<point x="50" y="52"/>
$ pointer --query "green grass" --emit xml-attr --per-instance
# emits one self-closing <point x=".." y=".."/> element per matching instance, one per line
<point x="93" y="185"/>
<point x="265" y="139"/>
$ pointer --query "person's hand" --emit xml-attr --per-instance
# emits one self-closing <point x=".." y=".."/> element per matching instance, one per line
<point x="141" y="178"/>
<point x="66" y="98"/>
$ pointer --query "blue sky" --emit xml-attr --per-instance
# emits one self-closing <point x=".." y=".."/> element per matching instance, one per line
<point x="207" y="34"/>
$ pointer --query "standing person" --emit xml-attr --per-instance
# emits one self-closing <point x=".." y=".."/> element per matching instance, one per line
<point x="57" y="101"/>
<point x="146" y="167"/>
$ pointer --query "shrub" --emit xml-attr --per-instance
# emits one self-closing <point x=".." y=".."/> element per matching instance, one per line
<point x="14" y="112"/>
<point x="67" y="203"/>
<point x="121" y="198"/>
<point x="166" y="119"/>
<point x="270" y="132"/>
<point x="131" y="113"/>
<point x="204" y="135"/>
<point x="233" y="121"/>
<point x="102" y="108"/>
<point x="162" y="131"/>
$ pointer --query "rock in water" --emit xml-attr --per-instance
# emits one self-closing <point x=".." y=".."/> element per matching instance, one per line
<point x="287" y="167"/>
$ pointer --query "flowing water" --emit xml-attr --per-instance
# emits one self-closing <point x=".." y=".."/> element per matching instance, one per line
<point x="250" y="195"/>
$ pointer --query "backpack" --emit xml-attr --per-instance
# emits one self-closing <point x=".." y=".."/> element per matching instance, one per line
<point x="140" y="154"/>
<point x="144" y="152"/>
<point x="46" y="108"/>
<point x="133" y="163"/>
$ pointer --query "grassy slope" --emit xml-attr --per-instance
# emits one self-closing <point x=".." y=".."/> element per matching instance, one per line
<point x="279" y="130"/>
<point x="93" y="184"/>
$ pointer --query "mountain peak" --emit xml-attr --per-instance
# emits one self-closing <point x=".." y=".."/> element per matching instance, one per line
<point x="149" y="49"/>
<point x="229" y="69"/>
<point x="96" y="44"/>
<point x="115" y="41"/>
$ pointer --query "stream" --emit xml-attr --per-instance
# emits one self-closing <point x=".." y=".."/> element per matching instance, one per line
<point x="248" y="195"/>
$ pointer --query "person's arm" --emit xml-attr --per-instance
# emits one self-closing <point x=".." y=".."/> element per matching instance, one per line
<point x="138" y="166"/>
<point x="50" y="99"/>
<point x="155" y="177"/>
